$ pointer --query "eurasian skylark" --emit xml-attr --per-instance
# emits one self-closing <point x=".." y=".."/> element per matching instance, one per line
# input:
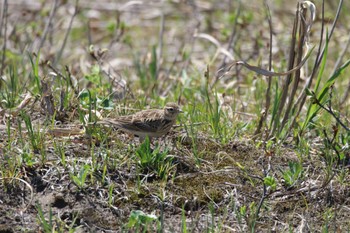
<point x="151" y="123"/>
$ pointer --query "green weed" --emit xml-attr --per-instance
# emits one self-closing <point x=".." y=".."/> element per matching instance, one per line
<point x="80" y="179"/>
<point x="293" y="175"/>
<point x="154" y="160"/>
<point x="141" y="221"/>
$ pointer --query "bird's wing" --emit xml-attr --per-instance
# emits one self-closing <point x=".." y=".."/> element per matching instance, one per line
<point x="147" y="121"/>
<point x="133" y="125"/>
<point x="144" y="121"/>
<point x="149" y="125"/>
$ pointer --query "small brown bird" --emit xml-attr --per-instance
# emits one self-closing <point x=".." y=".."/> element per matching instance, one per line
<point x="151" y="123"/>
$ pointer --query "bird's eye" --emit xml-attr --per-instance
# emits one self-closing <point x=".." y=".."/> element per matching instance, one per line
<point x="171" y="109"/>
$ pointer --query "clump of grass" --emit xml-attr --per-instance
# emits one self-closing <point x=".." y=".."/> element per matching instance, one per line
<point x="147" y="73"/>
<point x="80" y="179"/>
<point x="11" y="88"/>
<point x="53" y="223"/>
<point x="293" y="175"/>
<point x="140" y="221"/>
<point x="37" y="137"/>
<point x="155" y="160"/>
<point x="220" y="126"/>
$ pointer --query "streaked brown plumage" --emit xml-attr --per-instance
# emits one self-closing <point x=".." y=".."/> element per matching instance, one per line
<point x="151" y="123"/>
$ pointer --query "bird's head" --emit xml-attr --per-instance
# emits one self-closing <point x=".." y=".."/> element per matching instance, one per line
<point x="171" y="110"/>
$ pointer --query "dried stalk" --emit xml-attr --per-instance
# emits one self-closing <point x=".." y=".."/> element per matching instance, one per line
<point x="48" y="25"/>
<point x="60" y="51"/>
<point x="3" y="23"/>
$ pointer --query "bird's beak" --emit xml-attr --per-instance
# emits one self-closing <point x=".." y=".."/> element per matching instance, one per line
<point x="180" y="110"/>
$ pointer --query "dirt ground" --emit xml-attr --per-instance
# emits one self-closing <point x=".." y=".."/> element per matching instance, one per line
<point x="227" y="178"/>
